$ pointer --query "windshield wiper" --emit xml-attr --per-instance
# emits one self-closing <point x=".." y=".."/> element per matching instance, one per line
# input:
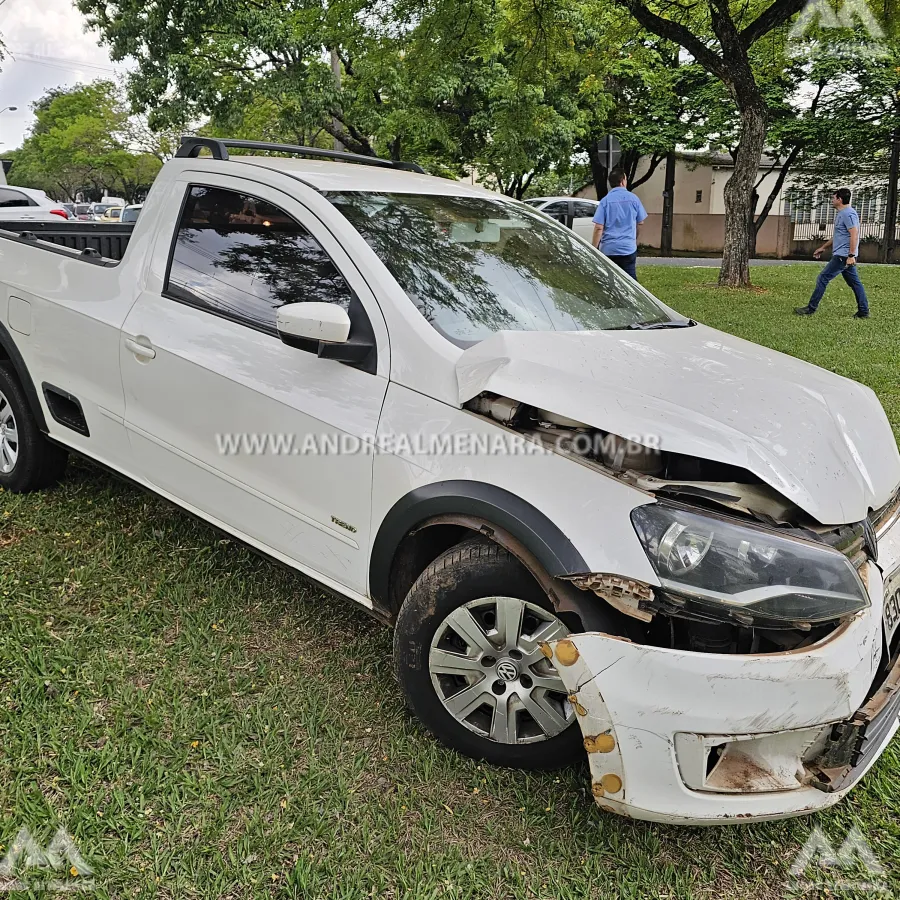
<point x="653" y="326"/>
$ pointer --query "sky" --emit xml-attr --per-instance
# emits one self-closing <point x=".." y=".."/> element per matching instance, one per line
<point x="47" y="47"/>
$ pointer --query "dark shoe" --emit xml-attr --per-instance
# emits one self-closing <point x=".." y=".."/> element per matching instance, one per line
<point x="860" y="315"/>
<point x="804" y="311"/>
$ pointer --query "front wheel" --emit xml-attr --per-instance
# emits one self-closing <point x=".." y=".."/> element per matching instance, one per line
<point x="467" y="655"/>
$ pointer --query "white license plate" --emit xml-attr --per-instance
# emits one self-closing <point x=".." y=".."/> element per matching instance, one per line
<point x="891" y="604"/>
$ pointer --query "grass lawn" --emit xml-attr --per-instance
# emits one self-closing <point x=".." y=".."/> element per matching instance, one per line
<point x="206" y="724"/>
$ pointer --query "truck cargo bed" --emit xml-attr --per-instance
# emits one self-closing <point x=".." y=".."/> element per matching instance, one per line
<point x="109" y="241"/>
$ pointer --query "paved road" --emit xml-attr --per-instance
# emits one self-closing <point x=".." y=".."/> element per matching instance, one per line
<point x="716" y="263"/>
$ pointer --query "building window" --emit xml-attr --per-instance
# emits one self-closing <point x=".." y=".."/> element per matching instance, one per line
<point x="699" y="197"/>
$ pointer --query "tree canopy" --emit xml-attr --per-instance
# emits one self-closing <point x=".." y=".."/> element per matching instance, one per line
<point x="521" y="93"/>
<point x="504" y="89"/>
<point x="84" y="141"/>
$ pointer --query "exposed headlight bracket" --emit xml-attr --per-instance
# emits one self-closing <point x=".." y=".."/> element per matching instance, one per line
<point x="634" y="598"/>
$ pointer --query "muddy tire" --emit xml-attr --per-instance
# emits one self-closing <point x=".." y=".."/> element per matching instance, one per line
<point x="467" y="657"/>
<point x="28" y="461"/>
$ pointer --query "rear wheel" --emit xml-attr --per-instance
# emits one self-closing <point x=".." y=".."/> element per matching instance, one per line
<point x="28" y="461"/>
<point x="467" y="654"/>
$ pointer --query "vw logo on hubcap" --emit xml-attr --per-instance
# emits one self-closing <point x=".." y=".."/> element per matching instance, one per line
<point x="507" y="670"/>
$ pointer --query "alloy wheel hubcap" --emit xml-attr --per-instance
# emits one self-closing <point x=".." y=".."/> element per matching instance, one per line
<point x="9" y="437"/>
<point x="487" y="668"/>
<point x="507" y="670"/>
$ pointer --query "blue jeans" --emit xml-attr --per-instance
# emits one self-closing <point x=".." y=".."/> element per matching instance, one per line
<point x="627" y="264"/>
<point x="838" y="266"/>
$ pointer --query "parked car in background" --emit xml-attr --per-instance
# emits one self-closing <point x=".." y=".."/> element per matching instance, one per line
<point x="21" y="204"/>
<point x="70" y="209"/>
<point x="569" y="209"/>
<point x="113" y="214"/>
<point x="83" y="212"/>
<point x="131" y="213"/>
<point x="98" y="210"/>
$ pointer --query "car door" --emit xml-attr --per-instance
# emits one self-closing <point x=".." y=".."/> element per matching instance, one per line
<point x="583" y="218"/>
<point x="263" y="438"/>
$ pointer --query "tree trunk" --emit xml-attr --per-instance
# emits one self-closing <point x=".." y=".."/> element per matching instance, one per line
<point x="668" y="214"/>
<point x="776" y="188"/>
<point x="753" y="229"/>
<point x="628" y="163"/>
<point x="739" y="192"/>
<point x="524" y="184"/>
<point x="599" y="172"/>
<point x="635" y="181"/>
<point x="336" y="75"/>
<point x="890" y="217"/>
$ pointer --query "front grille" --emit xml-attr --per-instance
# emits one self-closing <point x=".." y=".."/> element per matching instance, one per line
<point x="853" y="744"/>
<point x="882" y="519"/>
<point x="851" y="539"/>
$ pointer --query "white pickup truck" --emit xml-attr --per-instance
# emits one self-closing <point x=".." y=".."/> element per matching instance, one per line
<point x="594" y="525"/>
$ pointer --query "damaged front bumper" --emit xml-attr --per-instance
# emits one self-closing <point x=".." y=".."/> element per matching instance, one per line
<point x="704" y="738"/>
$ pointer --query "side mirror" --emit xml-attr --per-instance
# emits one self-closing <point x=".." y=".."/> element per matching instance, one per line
<point x="313" y="321"/>
<point x="323" y="329"/>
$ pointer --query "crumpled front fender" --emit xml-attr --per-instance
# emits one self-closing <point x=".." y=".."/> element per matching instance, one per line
<point x="635" y="704"/>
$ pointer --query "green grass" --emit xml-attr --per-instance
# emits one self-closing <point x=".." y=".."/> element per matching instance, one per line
<point x="206" y="724"/>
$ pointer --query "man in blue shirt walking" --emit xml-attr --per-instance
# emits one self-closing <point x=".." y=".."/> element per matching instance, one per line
<point x="617" y="223"/>
<point x="845" y="246"/>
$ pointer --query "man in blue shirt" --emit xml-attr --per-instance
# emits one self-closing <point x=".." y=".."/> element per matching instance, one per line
<point x="845" y="246"/>
<point x="617" y="223"/>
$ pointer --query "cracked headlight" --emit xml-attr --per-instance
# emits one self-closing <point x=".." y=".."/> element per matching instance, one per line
<point x="746" y="569"/>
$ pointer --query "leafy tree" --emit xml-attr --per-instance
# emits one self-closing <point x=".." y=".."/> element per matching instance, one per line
<point x="198" y="60"/>
<point x="793" y="84"/>
<point x="721" y="35"/>
<point x="415" y="81"/>
<point x="484" y="85"/>
<point x="857" y="141"/>
<point x="859" y="110"/>
<point x="611" y="77"/>
<point x="748" y="47"/>
<point x="79" y="143"/>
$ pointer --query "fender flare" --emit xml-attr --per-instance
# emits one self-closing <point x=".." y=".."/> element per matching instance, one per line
<point x="537" y="534"/>
<point x="21" y="370"/>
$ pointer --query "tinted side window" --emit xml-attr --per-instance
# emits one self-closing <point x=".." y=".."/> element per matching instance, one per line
<point x="242" y="257"/>
<point x="13" y="198"/>
<point x="584" y="210"/>
<point x="558" y="210"/>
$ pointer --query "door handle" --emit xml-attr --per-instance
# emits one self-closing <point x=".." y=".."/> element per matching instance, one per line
<point x="144" y="351"/>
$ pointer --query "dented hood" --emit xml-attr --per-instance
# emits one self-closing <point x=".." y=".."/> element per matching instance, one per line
<point x="821" y="440"/>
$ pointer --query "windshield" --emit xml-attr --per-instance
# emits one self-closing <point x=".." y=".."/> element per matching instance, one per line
<point x="474" y="266"/>
<point x="99" y="208"/>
